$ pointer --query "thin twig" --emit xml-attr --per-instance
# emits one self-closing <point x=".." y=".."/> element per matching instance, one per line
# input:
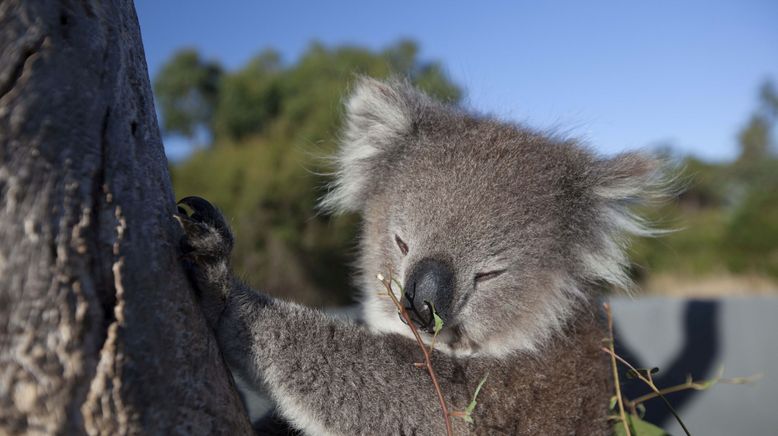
<point x="649" y="380"/>
<point x="612" y="350"/>
<point x="427" y="360"/>
<point x="690" y="384"/>
<point x="664" y="391"/>
<point x="651" y="385"/>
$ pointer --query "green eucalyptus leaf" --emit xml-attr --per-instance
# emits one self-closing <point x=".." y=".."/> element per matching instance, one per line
<point x="638" y="427"/>
<point x="438" y="322"/>
<point x="473" y="403"/>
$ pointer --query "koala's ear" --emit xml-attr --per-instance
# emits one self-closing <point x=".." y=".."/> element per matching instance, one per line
<point x="379" y="116"/>
<point x="631" y="178"/>
<point x="621" y="183"/>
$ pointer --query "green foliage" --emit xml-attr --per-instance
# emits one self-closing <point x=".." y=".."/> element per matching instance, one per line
<point x="768" y="99"/>
<point x="438" y="326"/>
<point x="281" y="244"/>
<point x="467" y="416"/>
<point x="755" y="139"/>
<point x="752" y="233"/>
<point x="186" y="91"/>
<point x="269" y="122"/>
<point x="250" y="99"/>
<point x="638" y="427"/>
<point x="727" y="218"/>
<point x="438" y="323"/>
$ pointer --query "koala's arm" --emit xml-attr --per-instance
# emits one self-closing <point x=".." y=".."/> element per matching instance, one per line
<point x="332" y="376"/>
<point x="328" y="376"/>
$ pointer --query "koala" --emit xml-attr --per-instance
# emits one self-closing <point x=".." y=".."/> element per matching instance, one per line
<point x="507" y="233"/>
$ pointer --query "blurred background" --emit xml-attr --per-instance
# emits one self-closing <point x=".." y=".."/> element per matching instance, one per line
<point x="249" y="96"/>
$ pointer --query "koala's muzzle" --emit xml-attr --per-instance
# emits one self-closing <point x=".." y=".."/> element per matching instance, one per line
<point x="430" y="284"/>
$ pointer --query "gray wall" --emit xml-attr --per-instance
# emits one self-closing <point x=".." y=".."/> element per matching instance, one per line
<point x="700" y="336"/>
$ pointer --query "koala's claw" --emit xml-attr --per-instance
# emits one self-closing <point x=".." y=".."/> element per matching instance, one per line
<point x="207" y="235"/>
<point x="206" y="246"/>
<point x="202" y="210"/>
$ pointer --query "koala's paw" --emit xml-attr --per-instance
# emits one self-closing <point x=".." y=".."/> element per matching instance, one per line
<point x="207" y="236"/>
<point x="206" y="247"/>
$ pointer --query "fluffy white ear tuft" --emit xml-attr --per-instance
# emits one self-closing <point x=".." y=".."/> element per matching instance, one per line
<point x="378" y="116"/>
<point x="381" y="111"/>
<point x="624" y="182"/>
<point x="632" y="178"/>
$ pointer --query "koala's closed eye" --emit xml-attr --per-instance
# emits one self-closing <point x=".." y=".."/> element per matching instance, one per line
<point x="488" y="275"/>
<point x="401" y="245"/>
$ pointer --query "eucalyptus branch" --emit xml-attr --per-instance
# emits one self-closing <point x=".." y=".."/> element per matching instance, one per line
<point x="693" y="385"/>
<point x="387" y="282"/>
<point x="612" y="351"/>
<point x="651" y="385"/>
<point x="647" y="380"/>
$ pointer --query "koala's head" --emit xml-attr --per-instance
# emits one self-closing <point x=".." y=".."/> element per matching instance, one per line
<point x="503" y="230"/>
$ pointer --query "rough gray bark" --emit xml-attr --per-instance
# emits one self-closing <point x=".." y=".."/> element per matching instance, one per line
<point x="99" y="330"/>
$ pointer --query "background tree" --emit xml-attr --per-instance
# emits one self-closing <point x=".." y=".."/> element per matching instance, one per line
<point x="751" y="235"/>
<point x="272" y="125"/>
<point x="99" y="330"/>
<point x="756" y="139"/>
<point x="250" y="98"/>
<point x="727" y="214"/>
<point x="187" y="90"/>
<point x="273" y="121"/>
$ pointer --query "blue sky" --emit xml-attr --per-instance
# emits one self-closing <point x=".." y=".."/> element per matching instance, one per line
<point x="621" y="75"/>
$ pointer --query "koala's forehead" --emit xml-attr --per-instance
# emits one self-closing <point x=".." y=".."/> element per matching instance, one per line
<point x="504" y="171"/>
<point x="479" y="183"/>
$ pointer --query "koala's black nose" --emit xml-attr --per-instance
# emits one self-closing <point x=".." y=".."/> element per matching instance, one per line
<point x="430" y="284"/>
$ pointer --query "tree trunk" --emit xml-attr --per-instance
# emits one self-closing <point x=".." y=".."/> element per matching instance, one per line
<point x="99" y="330"/>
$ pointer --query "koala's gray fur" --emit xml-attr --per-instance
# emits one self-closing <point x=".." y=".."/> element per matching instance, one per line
<point x="530" y="226"/>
